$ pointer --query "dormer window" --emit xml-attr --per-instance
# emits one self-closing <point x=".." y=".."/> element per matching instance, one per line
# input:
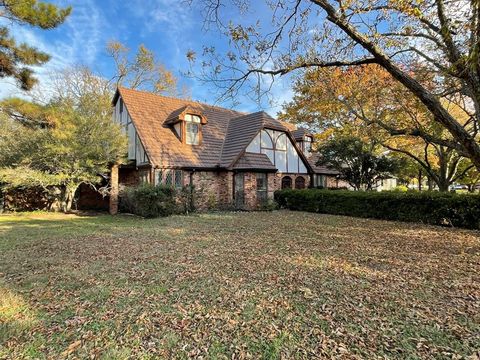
<point x="187" y="123"/>
<point x="307" y="145"/>
<point x="192" y="129"/>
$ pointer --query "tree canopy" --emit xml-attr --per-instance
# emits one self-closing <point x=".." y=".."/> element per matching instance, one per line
<point x="396" y="35"/>
<point x="15" y="58"/>
<point x="359" y="163"/>
<point x="80" y="142"/>
<point x="141" y="71"/>
<point x="386" y="112"/>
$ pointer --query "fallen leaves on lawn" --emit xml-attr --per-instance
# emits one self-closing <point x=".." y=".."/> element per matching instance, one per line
<point x="240" y="286"/>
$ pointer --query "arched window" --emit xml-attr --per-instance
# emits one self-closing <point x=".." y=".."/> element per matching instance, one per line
<point x="266" y="140"/>
<point x="281" y="142"/>
<point x="300" y="182"/>
<point x="286" y="182"/>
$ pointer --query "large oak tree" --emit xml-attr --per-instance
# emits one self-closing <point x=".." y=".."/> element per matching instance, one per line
<point x="368" y="98"/>
<point x="444" y="36"/>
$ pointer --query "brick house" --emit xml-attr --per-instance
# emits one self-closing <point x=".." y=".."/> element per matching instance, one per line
<point x="232" y="159"/>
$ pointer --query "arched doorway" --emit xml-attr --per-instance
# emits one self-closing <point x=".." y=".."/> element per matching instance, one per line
<point x="300" y="182"/>
<point x="286" y="182"/>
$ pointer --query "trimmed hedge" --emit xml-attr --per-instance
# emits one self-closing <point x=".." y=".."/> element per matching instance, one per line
<point x="426" y="207"/>
<point x="148" y="200"/>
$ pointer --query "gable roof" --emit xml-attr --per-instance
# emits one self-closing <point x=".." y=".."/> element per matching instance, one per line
<point x="149" y="113"/>
<point x="224" y="138"/>
<point x="300" y="133"/>
<point x="190" y="109"/>
<point x="242" y="130"/>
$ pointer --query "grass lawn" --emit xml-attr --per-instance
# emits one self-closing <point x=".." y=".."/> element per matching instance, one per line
<point x="236" y="285"/>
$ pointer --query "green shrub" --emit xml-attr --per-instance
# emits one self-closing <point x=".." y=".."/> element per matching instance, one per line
<point x="148" y="200"/>
<point x="186" y="199"/>
<point x="268" y="205"/>
<point x="427" y="207"/>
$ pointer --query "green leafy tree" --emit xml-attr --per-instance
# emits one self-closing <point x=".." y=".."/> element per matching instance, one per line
<point x="470" y="177"/>
<point x="16" y="59"/>
<point x="356" y="161"/>
<point x="27" y="113"/>
<point x="80" y="144"/>
<point x="76" y="150"/>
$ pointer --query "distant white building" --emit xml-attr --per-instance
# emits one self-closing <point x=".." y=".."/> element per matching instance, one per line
<point x="386" y="184"/>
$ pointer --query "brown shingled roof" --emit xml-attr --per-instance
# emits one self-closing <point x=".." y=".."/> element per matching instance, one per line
<point x="149" y="112"/>
<point x="224" y="138"/>
<point x="254" y="161"/>
<point x="317" y="169"/>
<point x="299" y="133"/>
<point x="242" y="130"/>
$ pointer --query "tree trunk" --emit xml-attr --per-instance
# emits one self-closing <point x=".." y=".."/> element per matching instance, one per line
<point x="429" y="183"/>
<point x="443" y="186"/>
<point x="68" y="196"/>
<point x="468" y="142"/>
<point x="420" y="177"/>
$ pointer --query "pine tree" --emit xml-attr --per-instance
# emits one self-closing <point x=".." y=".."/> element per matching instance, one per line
<point x="16" y="58"/>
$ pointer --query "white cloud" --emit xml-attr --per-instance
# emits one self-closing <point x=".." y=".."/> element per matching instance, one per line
<point x="78" y="41"/>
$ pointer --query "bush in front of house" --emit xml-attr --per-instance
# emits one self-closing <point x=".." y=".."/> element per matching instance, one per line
<point x="426" y="207"/>
<point x="148" y="200"/>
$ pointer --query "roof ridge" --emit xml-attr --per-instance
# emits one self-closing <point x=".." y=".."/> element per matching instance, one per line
<point x="181" y="99"/>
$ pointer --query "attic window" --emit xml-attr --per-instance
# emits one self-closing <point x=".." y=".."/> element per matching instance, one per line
<point x="308" y="144"/>
<point x="192" y="129"/>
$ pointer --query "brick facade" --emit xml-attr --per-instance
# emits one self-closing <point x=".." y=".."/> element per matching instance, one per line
<point x="215" y="189"/>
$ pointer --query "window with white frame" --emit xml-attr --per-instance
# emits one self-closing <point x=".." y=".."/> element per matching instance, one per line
<point x="192" y="129"/>
<point x="307" y="145"/>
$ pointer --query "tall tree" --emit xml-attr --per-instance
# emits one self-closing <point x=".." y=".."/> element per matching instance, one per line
<point x="395" y="34"/>
<point x="16" y="59"/>
<point x="388" y="112"/>
<point x="141" y="71"/>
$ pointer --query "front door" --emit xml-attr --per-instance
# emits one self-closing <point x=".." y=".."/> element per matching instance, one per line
<point x="239" y="190"/>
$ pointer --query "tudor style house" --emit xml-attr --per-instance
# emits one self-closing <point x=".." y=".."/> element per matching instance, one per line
<point x="231" y="158"/>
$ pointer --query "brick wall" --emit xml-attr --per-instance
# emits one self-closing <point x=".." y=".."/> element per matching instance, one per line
<point x="212" y="189"/>
<point x="250" y="188"/>
<point x="277" y="181"/>
<point x="90" y="199"/>
<point x="332" y="182"/>
<point x="128" y="177"/>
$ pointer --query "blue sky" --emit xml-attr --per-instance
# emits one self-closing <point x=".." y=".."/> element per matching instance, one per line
<point x="168" y="27"/>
